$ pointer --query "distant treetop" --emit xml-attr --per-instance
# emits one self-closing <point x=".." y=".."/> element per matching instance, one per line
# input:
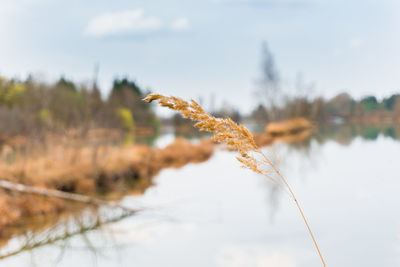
<point x="64" y="83"/>
<point x="119" y="85"/>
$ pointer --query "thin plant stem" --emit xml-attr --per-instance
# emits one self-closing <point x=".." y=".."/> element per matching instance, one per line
<point x="267" y="160"/>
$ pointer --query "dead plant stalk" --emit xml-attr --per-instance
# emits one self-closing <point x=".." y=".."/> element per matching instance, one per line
<point x="236" y="137"/>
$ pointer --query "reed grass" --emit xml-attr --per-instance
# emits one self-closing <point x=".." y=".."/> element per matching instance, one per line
<point x="238" y="138"/>
<point x="63" y="170"/>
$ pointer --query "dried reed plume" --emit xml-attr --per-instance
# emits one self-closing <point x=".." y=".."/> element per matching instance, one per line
<point x="236" y="137"/>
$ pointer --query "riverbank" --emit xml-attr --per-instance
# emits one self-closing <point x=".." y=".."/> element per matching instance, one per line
<point x="102" y="172"/>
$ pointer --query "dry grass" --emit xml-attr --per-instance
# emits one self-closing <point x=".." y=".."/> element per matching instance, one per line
<point x="263" y="139"/>
<point x="289" y="127"/>
<point x="237" y="137"/>
<point x="295" y="138"/>
<point x="290" y="132"/>
<point x="114" y="170"/>
<point x="69" y="170"/>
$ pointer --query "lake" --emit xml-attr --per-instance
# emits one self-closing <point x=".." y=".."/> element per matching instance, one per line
<point x="217" y="214"/>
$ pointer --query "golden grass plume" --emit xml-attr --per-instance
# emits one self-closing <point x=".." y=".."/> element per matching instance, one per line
<point x="225" y="131"/>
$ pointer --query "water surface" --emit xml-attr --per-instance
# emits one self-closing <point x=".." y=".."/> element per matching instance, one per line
<point x="217" y="214"/>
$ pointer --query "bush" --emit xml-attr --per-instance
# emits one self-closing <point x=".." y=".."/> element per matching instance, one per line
<point x="126" y="118"/>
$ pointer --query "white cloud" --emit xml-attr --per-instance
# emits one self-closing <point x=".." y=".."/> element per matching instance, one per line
<point x="180" y="24"/>
<point x="122" y="23"/>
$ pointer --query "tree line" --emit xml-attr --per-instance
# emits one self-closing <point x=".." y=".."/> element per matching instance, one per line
<point x="343" y="107"/>
<point x="31" y="108"/>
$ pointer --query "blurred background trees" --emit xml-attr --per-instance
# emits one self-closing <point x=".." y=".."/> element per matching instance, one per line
<point x="276" y="100"/>
<point x="33" y="108"/>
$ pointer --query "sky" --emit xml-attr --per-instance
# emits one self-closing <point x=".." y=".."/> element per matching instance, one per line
<point x="204" y="49"/>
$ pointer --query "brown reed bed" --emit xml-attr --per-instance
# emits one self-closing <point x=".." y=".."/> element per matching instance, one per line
<point x="238" y="138"/>
<point x="291" y="131"/>
<point x="106" y="171"/>
<point x="291" y="126"/>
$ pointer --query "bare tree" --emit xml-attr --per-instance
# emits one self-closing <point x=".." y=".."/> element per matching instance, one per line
<point x="269" y="88"/>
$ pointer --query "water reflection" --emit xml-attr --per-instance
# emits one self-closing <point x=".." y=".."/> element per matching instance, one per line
<point x="56" y="232"/>
<point x="345" y="133"/>
<point x="216" y="214"/>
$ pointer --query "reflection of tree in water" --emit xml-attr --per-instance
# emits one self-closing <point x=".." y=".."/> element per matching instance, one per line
<point x="297" y="157"/>
<point x="346" y="133"/>
<point x="58" y="234"/>
<point x="390" y="132"/>
<point x="273" y="200"/>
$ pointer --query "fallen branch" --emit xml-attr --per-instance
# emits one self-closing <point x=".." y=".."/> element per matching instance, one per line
<point x="60" y="194"/>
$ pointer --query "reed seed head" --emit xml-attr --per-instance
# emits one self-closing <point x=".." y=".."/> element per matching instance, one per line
<point x="225" y="131"/>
